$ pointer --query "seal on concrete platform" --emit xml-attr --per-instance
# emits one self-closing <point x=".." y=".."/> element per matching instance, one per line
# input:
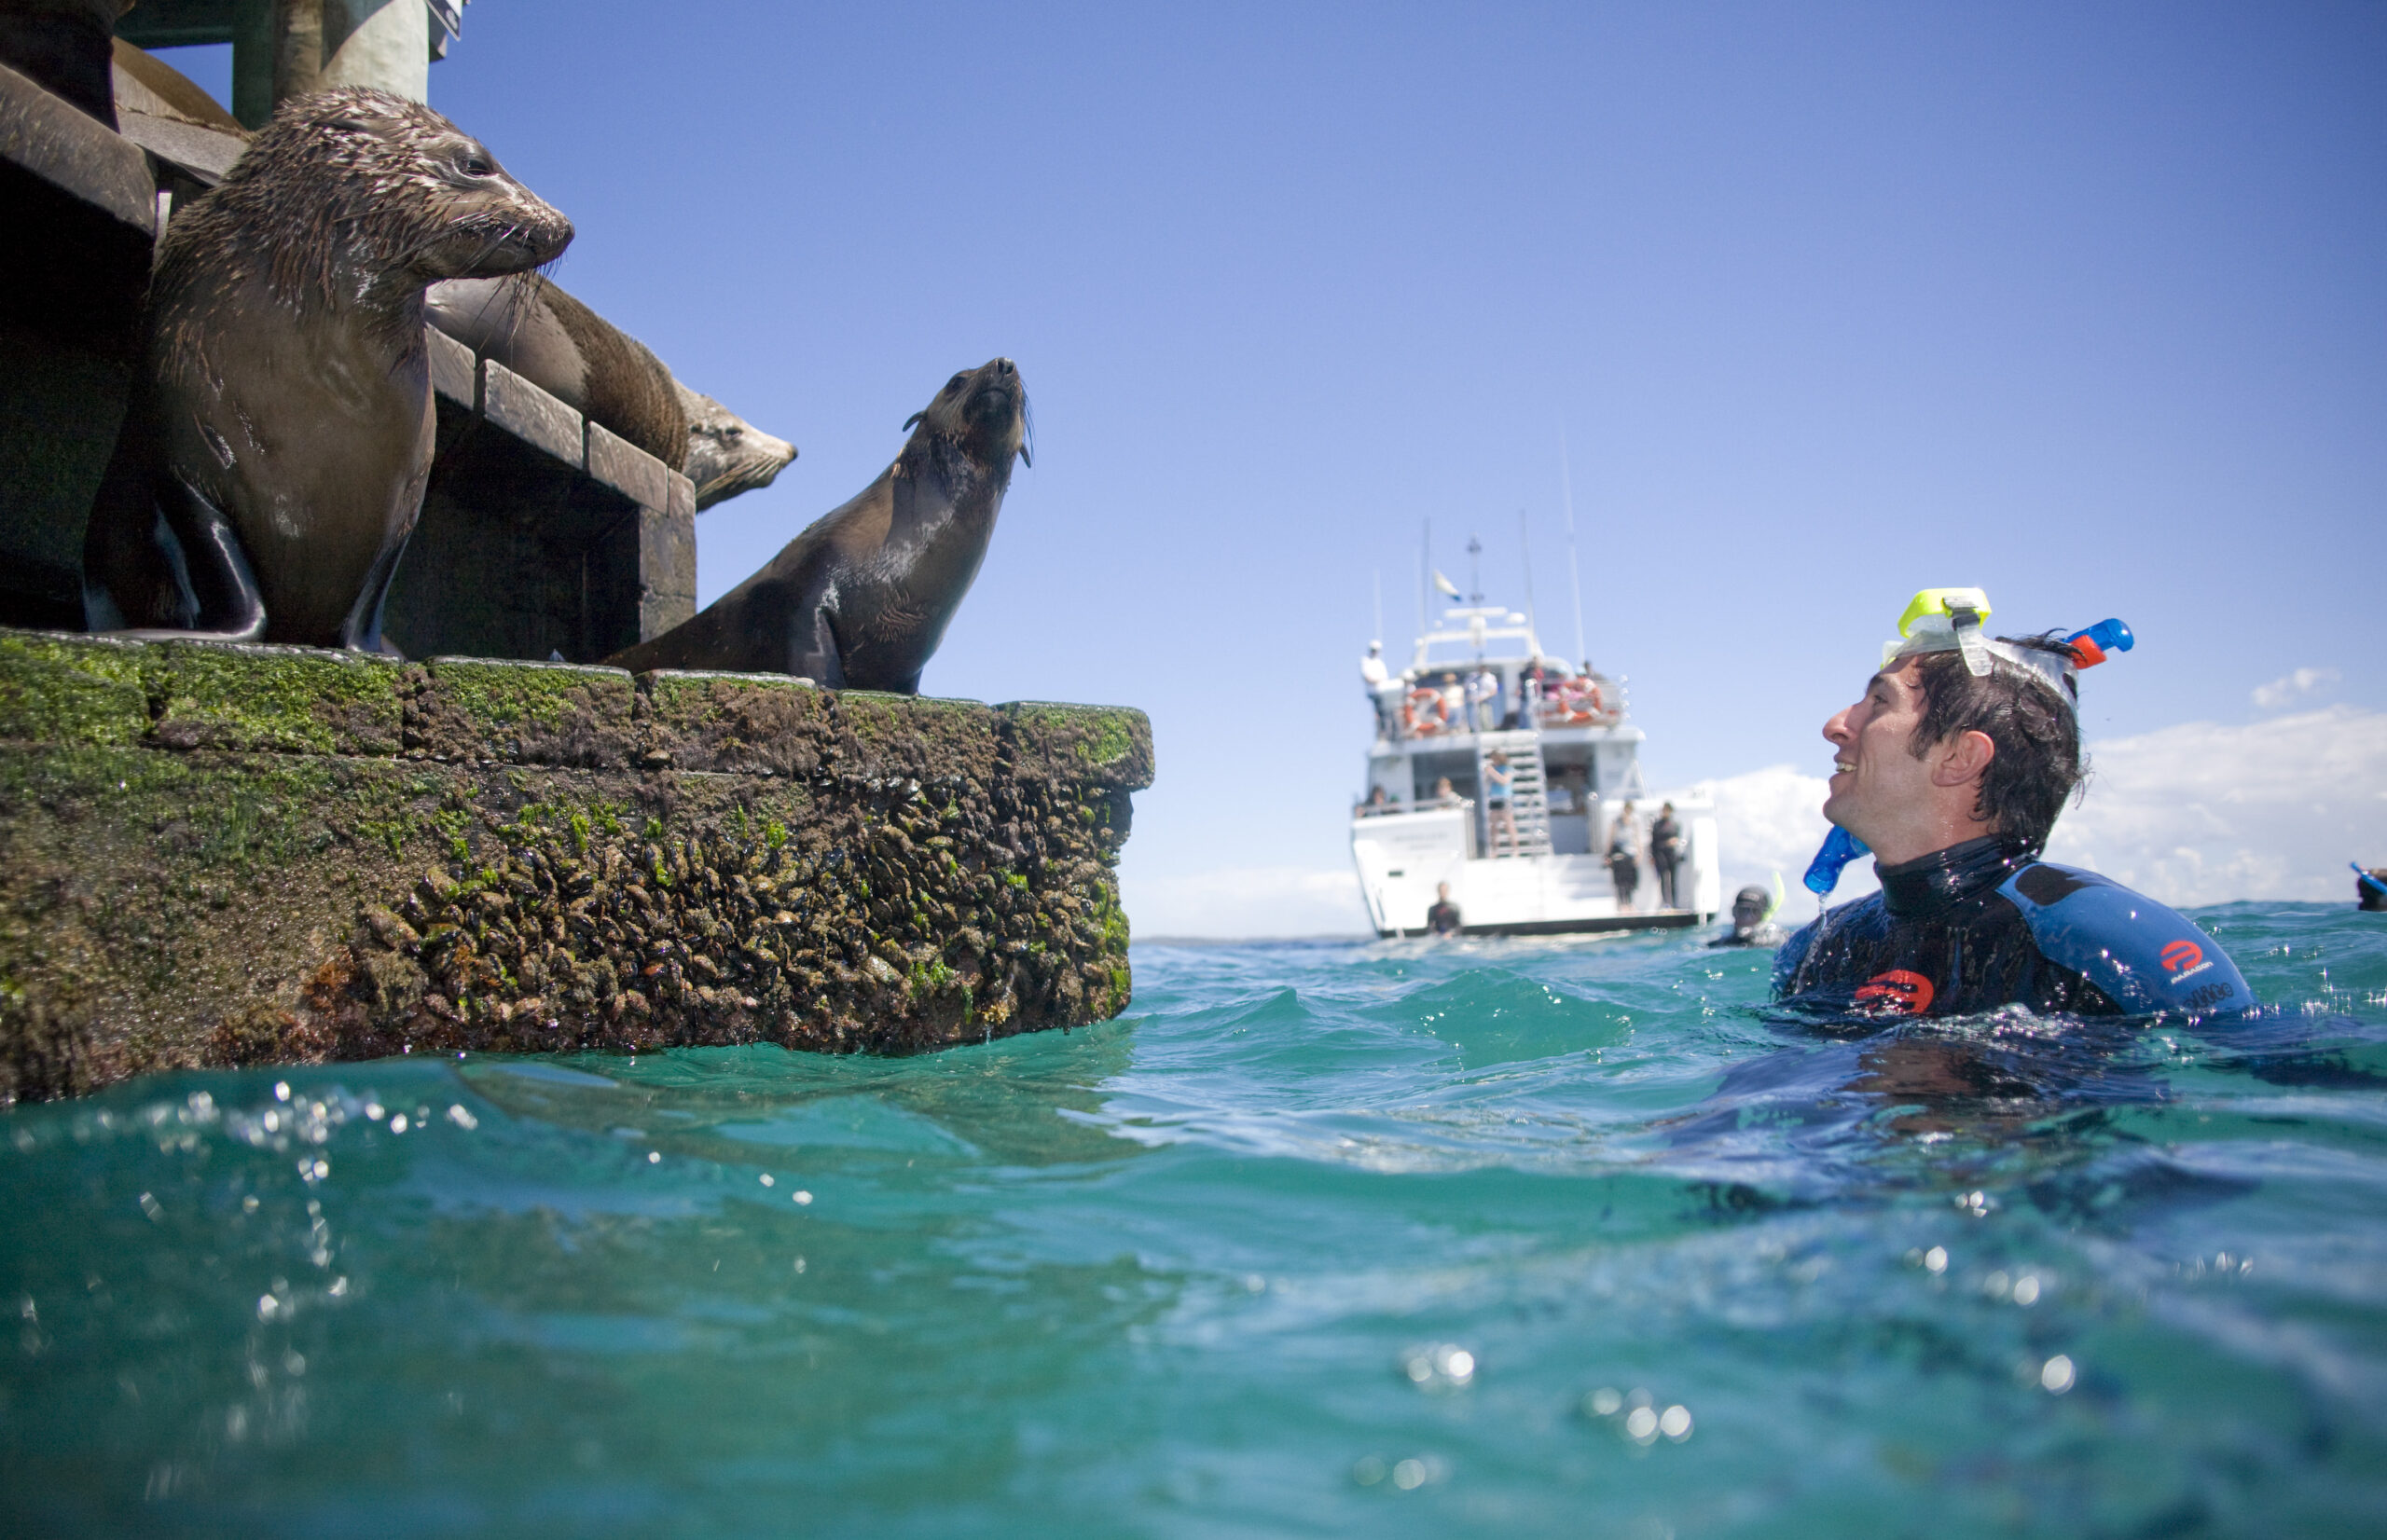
<point x="274" y="458"/>
<point x="726" y="454"/>
<point x="528" y="324"/>
<point x="861" y="599"/>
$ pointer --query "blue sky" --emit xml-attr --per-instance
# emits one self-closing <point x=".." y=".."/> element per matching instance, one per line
<point x="2085" y="304"/>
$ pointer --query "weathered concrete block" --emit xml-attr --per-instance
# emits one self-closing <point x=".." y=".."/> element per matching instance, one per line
<point x="627" y="469"/>
<point x="845" y="871"/>
<point x="916" y="738"/>
<point x="282" y="699"/>
<point x="523" y="713"/>
<point x="667" y="568"/>
<point x="530" y="413"/>
<point x="766" y="724"/>
<point x="455" y="373"/>
<point x="68" y="689"/>
<point x="1103" y="745"/>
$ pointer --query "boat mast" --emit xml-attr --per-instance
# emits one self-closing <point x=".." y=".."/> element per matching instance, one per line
<point x="1574" y="570"/>
<point x="1425" y="562"/>
<point x="1525" y="542"/>
<point x="1377" y="585"/>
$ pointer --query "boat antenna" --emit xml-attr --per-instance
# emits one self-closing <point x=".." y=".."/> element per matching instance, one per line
<point x="1424" y="563"/>
<point x="1377" y="583"/>
<point x="1474" y="570"/>
<point x="1574" y="570"/>
<point x="1524" y="543"/>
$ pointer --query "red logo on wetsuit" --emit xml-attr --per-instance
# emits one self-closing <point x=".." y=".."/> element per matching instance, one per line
<point x="2180" y="956"/>
<point x="1908" y="994"/>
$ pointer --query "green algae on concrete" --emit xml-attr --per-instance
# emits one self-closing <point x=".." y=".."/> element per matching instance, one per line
<point x="286" y="699"/>
<point x="70" y="690"/>
<point x="842" y="873"/>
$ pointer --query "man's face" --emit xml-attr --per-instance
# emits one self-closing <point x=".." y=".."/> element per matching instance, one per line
<point x="1876" y="783"/>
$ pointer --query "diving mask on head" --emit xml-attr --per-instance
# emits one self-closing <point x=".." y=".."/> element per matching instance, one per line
<point x="1949" y="620"/>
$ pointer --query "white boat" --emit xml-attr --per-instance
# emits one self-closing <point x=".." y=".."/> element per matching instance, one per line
<point x="1576" y="769"/>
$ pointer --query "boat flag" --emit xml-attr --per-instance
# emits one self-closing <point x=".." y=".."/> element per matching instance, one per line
<point x="1447" y="586"/>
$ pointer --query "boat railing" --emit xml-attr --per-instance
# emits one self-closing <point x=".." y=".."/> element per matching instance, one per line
<point x="1363" y="810"/>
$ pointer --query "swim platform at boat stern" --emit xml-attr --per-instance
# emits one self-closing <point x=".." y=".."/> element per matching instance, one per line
<point x="216" y="854"/>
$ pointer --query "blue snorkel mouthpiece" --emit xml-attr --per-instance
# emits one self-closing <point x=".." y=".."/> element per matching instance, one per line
<point x="1840" y="848"/>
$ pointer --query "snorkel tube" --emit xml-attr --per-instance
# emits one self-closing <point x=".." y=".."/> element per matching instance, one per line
<point x="1949" y="620"/>
<point x="2367" y="880"/>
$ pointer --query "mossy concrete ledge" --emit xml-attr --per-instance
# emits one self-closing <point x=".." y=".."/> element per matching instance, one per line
<point x="216" y="855"/>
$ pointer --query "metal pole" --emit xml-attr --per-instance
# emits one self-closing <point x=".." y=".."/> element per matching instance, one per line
<point x="1524" y="543"/>
<point x="1376" y="583"/>
<point x="1574" y="569"/>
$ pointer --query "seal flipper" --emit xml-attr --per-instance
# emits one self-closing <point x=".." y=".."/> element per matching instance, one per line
<point x="191" y="538"/>
<point x="362" y="630"/>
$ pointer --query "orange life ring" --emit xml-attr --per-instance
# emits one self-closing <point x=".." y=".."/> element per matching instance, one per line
<point x="1414" y="707"/>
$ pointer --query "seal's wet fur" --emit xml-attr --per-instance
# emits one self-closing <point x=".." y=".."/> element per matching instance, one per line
<point x="861" y="599"/>
<point x="280" y="432"/>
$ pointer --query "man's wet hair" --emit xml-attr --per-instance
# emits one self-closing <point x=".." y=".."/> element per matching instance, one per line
<point x="2038" y="766"/>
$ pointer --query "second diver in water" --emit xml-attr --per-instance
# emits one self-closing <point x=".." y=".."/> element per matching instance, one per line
<point x="1951" y="772"/>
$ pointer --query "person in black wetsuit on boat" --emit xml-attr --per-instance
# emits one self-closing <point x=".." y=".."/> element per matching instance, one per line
<point x="1950" y="771"/>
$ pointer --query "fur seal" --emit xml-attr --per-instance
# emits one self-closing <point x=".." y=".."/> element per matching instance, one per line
<point x="726" y="454"/>
<point x="861" y="599"/>
<point x="528" y="324"/>
<point x="280" y="432"/>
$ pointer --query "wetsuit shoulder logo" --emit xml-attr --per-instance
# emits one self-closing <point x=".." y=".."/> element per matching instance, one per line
<point x="1897" y="990"/>
<point x="2183" y="959"/>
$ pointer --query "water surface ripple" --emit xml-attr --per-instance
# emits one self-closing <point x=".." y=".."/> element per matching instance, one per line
<point x="1526" y="1237"/>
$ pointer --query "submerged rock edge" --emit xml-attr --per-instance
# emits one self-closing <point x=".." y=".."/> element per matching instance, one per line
<point x="216" y="855"/>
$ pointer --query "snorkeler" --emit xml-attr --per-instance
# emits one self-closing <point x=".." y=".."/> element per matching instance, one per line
<point x="1951" y="772"/>
<point x="1751" y="906"/>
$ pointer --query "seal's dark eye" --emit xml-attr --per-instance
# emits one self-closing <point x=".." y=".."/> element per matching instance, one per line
<point x="955" y="383"/>
<point x="475" y="163"/>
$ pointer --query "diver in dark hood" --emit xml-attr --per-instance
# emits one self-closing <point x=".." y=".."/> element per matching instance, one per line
<point x="1751" y="907"/>
<point x="1951" y="770"/>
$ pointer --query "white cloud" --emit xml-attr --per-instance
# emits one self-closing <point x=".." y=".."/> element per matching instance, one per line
<point x="2289" y="688"/>
<point x="2197" y="814"/>
<point x="2204" y="814"/>
<point x="1771" y="821"/>
<point x="1244" y="900"/>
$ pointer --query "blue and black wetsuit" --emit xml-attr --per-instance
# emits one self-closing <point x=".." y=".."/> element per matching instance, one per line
<point x="1985" y="924"/>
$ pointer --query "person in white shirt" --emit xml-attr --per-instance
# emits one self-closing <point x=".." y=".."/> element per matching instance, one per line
<point x="1375" y="676"/>
<point x="1482" y="691"/>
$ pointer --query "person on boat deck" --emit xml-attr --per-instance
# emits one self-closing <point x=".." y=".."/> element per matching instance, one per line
<point x="1453" y="704"/>
<point x="1951" y="772"/>
<point x="1483" y="696"/>
<point x="1624" y="856"/>
<point x="1378" y="679"/>
<point x="1665" y="853"/>
<point x="1443" y="918"/>
<point x="1498" y="778"/>
<point x="1444" y="794"/>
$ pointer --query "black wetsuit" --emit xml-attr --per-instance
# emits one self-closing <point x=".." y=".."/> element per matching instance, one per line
<point x="1985" y="924"/>
<point x="1443" y="918"/>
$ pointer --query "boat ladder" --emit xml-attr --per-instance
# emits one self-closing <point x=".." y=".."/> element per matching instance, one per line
<point x="1528" y="798"/>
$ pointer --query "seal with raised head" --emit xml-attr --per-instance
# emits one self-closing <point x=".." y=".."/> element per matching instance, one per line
<point x="862" y="597"/>
<point x="282" y="429"/>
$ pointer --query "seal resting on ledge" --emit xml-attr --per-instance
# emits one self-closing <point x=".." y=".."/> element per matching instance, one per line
<point x="281" y="430"/>
<point x="532" y="325"/>
<point x="861" y="599"/>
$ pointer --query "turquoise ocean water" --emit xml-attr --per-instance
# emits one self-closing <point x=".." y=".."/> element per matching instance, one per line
<point x="1522" y="1237"/>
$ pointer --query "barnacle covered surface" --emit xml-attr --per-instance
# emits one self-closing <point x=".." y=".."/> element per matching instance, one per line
<point x="216" y="855"/>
